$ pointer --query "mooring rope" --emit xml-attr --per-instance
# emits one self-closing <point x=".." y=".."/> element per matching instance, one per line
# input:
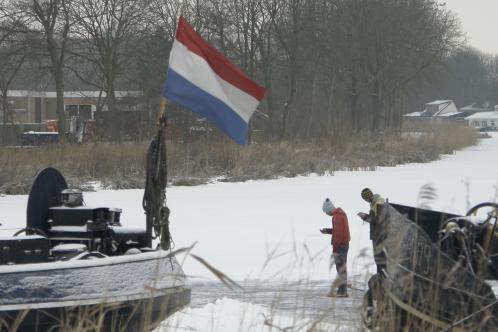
<point x="154" y="199"/>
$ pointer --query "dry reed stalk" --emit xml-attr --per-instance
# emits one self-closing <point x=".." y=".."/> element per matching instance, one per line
<point x="121" y="166"/>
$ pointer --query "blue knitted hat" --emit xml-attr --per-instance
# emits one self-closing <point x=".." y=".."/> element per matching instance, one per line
<point x="328" y="206"/>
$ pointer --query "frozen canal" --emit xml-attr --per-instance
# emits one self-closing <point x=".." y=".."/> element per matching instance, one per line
<point x="268" y="231"/>
<point x="300" y="299"/>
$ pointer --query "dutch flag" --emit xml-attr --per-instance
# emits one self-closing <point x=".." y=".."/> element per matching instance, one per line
<point x="201" y="79"/>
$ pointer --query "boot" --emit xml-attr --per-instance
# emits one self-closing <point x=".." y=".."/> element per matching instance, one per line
<point x="337" y="294"/>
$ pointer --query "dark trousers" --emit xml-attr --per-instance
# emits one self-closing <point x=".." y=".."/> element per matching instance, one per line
<point x="341" y="259"/>
<point x="374" y="284"/>
<point x="379" y="257"/>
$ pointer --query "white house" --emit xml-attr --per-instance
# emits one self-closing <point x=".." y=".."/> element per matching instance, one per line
<point x="484" y="120"/>
<point x="437" y="109"/>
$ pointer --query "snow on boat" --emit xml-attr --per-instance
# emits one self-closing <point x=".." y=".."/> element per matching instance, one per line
<point x="130" y="292"/>
<point x="77" y="268"/>
<point x="436" y="269"/>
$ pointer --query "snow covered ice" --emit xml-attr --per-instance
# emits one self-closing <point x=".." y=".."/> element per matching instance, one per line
<point x="266" y="233"/>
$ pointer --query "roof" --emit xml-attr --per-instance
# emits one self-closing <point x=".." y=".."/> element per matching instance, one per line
<point x="71" y="94"/>
<point x="414" y="114"/>
<point x="439" y="102"/>
<point x="483" y="116"/>
<point x="438" y="108"/>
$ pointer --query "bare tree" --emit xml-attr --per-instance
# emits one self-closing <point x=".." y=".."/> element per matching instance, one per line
<point x="13" y="53"/>
<point x="110" y="31"/>
<point x="167" y="13"/>
<point x="288" y="31"/>
<point x="51" y="18"/>
<point x="398" y="47"/>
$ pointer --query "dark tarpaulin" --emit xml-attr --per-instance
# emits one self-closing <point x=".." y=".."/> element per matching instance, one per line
<point x="44" y="194"/>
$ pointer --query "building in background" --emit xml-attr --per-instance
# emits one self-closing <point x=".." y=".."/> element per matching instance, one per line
<point x="39" y="106"/>
<point x="484" y="121"/>
<point x="437" y="109"/>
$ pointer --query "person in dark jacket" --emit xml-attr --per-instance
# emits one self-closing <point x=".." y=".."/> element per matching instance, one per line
<point x="340" y="246"/>
<point x="376" y="202"/>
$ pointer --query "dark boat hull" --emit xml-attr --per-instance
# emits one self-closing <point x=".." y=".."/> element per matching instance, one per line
<point x="132" y="315"/>
<point x="130" y="293"/>
<point x="430" y="288"/>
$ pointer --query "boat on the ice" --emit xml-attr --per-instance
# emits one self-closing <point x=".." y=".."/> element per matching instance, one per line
<point x="437" y="269"/>
<point x="75" y="267"/>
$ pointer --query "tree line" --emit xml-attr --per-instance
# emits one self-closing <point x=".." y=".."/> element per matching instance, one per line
<point x="331" y="67"/>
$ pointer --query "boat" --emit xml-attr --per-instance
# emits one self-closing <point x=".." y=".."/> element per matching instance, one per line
<point x="76" y="267"/>
<point x="437" y="270"/>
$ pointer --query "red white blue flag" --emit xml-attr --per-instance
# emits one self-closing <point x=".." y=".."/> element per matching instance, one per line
<point x="201" y="79"/>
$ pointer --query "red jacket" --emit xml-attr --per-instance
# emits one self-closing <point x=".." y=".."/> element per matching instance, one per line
<point x="340" y="229"/>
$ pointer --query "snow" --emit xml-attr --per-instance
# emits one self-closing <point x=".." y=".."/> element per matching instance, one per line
<point x="483" y="115"/>
<point x="228" y="315"/>
<point x="69" y="247"/>
<point x="259" y="229"/>
<point x="127" y="230"/>
<point x="75" y="264"/>
<point x="100" y="280"/>
<point x="268" y="230"/>
<point x="76" y="229"/>
<point x="41" y="132"/>
<point x="21" y="237"/>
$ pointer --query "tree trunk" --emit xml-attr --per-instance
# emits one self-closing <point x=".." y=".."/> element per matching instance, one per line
<point x="331" y="123"/>
<point x="288" y="103"/>
<point x="353" y="111"/>
<point x="376" y="105"/>
<point x="312" y="104"/>
<point x="59" y="87"/>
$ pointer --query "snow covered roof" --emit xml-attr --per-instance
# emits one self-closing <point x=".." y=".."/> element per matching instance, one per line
<point x="440" y="102"/>
<point x="414" y="114"/>
<point x="438" y="108"/>
<point x="24" y="93"/>
<point x="483" y="115"/>
<point x="71" y="94"/>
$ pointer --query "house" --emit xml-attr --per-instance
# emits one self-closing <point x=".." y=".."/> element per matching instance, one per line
<point x="39" y="106"/>
<point x="484" y="120"/>
<point x="437" y="109"/>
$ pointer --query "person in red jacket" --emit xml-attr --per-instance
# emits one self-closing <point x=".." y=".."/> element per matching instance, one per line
<point x="340" y="246"/>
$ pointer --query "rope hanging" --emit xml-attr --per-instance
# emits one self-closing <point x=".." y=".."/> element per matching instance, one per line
<point x="154" y="199"/>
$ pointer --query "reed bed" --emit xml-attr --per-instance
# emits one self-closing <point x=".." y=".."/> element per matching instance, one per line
<point x="121" y="165"/>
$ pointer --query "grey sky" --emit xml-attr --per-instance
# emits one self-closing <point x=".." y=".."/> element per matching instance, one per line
<point x="479" y="21"/>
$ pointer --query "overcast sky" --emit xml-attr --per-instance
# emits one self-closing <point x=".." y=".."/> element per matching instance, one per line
<point x="479" y="21"/>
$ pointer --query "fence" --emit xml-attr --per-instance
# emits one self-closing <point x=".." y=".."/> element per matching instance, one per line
<point x="11" y="134"/>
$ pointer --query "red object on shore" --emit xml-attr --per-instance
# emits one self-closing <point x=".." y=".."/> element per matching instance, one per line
<point x="52" y="126"/>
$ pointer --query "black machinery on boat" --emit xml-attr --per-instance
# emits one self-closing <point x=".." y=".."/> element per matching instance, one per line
<point x="76" y="267"/>
<point x="438" y="270"/>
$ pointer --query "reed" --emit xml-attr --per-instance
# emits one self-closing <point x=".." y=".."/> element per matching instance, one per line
<point x="121" y="165"/>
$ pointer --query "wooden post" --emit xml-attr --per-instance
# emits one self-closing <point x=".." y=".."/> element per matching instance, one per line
<point x="162" y="109"/>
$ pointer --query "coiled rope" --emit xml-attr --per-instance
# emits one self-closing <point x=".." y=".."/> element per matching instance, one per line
<point x="154" y="199"/>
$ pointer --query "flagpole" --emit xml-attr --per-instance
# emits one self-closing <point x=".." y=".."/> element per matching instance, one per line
<point x="161" y="117"/>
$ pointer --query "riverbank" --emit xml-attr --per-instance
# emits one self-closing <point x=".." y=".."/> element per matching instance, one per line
<point x="121" y="166"/>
